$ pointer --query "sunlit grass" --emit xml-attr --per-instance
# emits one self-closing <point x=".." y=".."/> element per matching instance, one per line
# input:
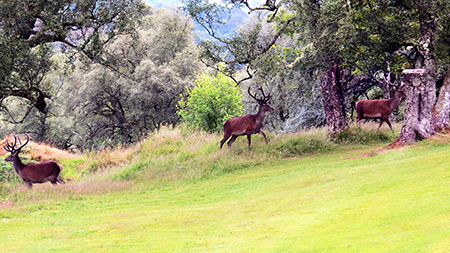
<point x="185" y="195"/>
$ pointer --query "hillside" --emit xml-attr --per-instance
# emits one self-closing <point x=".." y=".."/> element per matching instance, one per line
<point x="176" y="192"/>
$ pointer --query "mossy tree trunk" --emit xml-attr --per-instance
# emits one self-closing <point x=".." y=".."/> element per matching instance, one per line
<point x="334" y="99"/>
<point x="420" y="99"/>
<point x="420" y="84"/>
<point x="441" y="110"/>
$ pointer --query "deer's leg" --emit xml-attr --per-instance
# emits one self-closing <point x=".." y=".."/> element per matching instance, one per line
<point x="59" y="180"/>
<point x="264" y="135"/>
<point x="381" y="122"/>
<point x="389" y="123"/>
<point x="233" y="138"/>
<point x="249" y="138"/>
<point x="225" y="138"/>
<point x="29" y="185"/>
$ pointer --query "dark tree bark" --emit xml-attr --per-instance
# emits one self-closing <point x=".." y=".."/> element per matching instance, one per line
<point x="334" y="99"/>
<point x="420" y="98"/>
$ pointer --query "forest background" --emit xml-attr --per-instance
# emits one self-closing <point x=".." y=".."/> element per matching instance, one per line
<point x="85" y="75"/>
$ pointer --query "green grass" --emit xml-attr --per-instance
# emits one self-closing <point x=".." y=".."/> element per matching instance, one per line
<point x="339" y="198"/>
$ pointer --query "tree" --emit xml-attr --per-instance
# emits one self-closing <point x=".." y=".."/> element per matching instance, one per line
<point x="362" y="43"/>
<point x="246" y="47"/>
<point x="424" y="96"/>
<point x="96" y="106"/>
<point x="29" y="30"/>
<point x="210" y="103"/>
<point x="160" y="62"/>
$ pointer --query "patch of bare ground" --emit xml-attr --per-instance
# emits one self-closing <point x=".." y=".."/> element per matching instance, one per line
<point x="442" y="137"/>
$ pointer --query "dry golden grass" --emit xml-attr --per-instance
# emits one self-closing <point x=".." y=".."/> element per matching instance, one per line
<point x="39" y="151"/>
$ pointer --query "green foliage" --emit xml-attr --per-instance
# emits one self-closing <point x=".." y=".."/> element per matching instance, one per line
<point x="30" y="29"/>
<point x="95" y="106"/>
<point x="7" y="173"/>
<point x="210" y="103"/>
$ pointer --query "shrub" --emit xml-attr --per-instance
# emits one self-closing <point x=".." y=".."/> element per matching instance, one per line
<point x="7" y="173"/>
<point x="357" y="135"/>
<point x="210" y="103"/>
<point x="301" y="146"/>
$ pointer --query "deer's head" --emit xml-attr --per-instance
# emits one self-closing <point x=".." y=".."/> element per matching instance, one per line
<point x="262" y="101"/>
<point x="13" y="147"/>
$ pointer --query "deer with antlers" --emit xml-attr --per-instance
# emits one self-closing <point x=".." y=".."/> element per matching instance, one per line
<point x="247" y="124"/>
<point x="32" y="173"/>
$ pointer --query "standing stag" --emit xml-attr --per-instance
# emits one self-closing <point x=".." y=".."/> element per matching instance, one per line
<point x="381" y="108"/>
<point x="32" y="173"/>
<point x="248" y="124"/>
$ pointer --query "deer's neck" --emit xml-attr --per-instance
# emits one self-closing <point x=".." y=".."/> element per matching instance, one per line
<point x="395" y="101"/>
<point x="261" y="113"/>
<point x="17" y="164"/>
<point x="259" y="117"/>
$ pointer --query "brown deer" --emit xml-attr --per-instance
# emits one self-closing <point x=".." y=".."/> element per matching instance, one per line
<point x="381" y="108"/>
<point x="247" y="124"/>
<point x="32" y="173"/>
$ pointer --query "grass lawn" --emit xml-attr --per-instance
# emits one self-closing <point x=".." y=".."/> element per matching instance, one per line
<point x="344" y="200"/>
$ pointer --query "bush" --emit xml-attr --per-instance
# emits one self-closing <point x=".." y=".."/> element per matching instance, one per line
<point x="7" y="173"/>
<point x="357" y="135"/>
<point x="210" y="103"/>
<point x="301" y="146"/>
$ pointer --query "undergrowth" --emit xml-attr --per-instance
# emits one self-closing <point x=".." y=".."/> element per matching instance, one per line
<point x="178" y="155"/>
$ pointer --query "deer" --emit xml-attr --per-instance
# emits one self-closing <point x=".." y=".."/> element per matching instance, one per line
<point x="247" y="124"/>
<point x="380" y="108"/>
<point x="32" y="173"/>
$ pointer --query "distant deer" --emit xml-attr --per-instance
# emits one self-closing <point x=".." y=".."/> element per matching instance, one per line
<point x="381" y="108"/>
<point x="248" y="124"/>
<point x="32" y="173"/>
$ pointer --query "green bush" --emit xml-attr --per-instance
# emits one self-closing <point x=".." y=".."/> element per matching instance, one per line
<point x="301" y="146"/>
<point x="358" y="135"/>
<point x="7" y="173"/>
<point x="210" y="103"/>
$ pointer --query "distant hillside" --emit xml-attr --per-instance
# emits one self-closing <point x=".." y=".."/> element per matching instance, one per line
<point x="165" y="3"/>
<point x="237" y="18"/>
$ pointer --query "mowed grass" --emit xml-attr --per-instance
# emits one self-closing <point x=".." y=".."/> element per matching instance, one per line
<point x="348" y="198"/>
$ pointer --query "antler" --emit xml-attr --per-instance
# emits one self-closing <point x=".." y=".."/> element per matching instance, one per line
<point x="265" y="98"/>
<point x="11" y="148"/>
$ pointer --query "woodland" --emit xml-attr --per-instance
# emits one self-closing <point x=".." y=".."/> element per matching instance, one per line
<point x="128" y="101"/>
<point x="89" y="74"/>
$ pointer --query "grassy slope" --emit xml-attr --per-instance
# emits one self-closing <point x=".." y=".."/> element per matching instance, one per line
<point x="341" y="200"/>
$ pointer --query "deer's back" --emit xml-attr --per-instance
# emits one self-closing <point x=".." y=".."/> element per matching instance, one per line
<point x="241" y="125"/>
<point x="40" y="172"/>
<point x="373" y="106"/>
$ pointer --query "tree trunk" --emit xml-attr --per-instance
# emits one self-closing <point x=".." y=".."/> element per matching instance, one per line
<point x="420" y="98"/>
<point x="334" y="99"/>
<point x="441" y="110"/>
<point x="420" y="84"/>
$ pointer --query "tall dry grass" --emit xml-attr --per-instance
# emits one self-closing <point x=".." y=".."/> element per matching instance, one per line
<point x="177" y="156"/>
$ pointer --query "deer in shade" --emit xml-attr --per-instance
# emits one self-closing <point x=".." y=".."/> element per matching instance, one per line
<point x="380" y="108"/>
<point x="247" y="124"/>
<point x="32" y="173"/>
